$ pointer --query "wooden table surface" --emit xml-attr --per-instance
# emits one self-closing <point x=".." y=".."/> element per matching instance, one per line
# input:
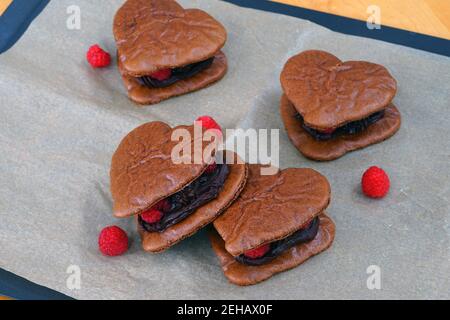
<point x="430" y="17"/>
<point x="4" y="4"/>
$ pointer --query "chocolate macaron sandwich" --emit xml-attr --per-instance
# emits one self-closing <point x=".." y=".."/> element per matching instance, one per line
<point x="165" y="50"/>
<point x="171" y="200"/>
<point x="276" y="224"/>
<point x="330" y="107"/>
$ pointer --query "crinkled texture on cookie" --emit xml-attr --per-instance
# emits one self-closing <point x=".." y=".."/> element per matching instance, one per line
<point x="143" y="170"/>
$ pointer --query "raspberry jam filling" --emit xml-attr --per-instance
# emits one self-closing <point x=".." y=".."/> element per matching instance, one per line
<point x="180" y="205"/>
<point x="349" y="128"/>
<point x="267" y="253"/>
<point x="167" y="77"/>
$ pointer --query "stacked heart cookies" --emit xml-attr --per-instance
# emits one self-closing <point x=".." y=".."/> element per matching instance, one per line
<point x="276" y="224"/>
<point x="171" y="200"/>
<point x="266" y="223"/>
<point x="330" y="107"/>
<point x="165" y="50"/>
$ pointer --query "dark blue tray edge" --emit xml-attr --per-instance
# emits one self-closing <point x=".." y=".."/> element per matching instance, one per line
<point x="20" y="11"/>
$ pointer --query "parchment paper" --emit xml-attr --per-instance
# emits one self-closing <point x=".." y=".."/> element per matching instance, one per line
<point x="61" y="121"/>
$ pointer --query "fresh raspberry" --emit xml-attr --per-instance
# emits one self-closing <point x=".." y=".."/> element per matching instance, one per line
<point x="258" y="252"/>
<point x="113" y="241"/>
<point x="163" y="205"/>
<point x="152" y="216"/>
<point x="162" y="74"/>
<point x="375" y="183"/>
<point x="211" y="168"/>
<point x="97" y="57"/>
<point x="208" y="123"/>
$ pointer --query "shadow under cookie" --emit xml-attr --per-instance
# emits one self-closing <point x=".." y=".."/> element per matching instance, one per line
<point x="342" y="144"/>
<point x="144" y="95"/>
<point x="245" y="275"/>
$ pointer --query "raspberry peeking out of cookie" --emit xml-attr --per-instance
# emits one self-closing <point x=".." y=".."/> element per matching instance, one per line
<point x="156" y="213"/>
<point x="171" y="201"/>
<point x="97" y="57"/>
<point x="162" y="75"/>
<point x="257" y="252"/>
<point x="152" y="216"/>
<point x="208" y="122"/>
<point x="328" y="131"/>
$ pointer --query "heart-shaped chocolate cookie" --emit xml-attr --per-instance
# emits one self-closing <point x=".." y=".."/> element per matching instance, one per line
<point x="329" y="93"/>
<point x="143" y="171"/>
<point x="272" y="207"/>
<point x="157" y="34"/>
<point x="339" y="146"/>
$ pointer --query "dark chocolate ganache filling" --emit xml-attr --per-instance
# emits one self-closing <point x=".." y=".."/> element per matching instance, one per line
<point x="186" y="201"/>
<point x="177" y="74"/>
<point x="349" y="128"/>
<point x="278" y="247"/>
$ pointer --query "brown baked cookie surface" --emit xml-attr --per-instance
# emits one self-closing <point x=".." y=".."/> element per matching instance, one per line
<point x="342" y="144"/>
<point x="245" y="275"/>
<point x="234" y="184"/>
<point x="159" y="34"/>
<point x="142" y="171"/>
<point x="329" y="93"/>
<point x="144" y="95"/>
<point x="272" y="207"/>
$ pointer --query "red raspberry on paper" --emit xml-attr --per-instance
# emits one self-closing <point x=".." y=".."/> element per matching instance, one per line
<point x="162" y="74"/>
<point x="208" y="122"/>
<point x="375" y="183"/>
<point x="97" y="57"/>
<point x="113" y="241"/>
